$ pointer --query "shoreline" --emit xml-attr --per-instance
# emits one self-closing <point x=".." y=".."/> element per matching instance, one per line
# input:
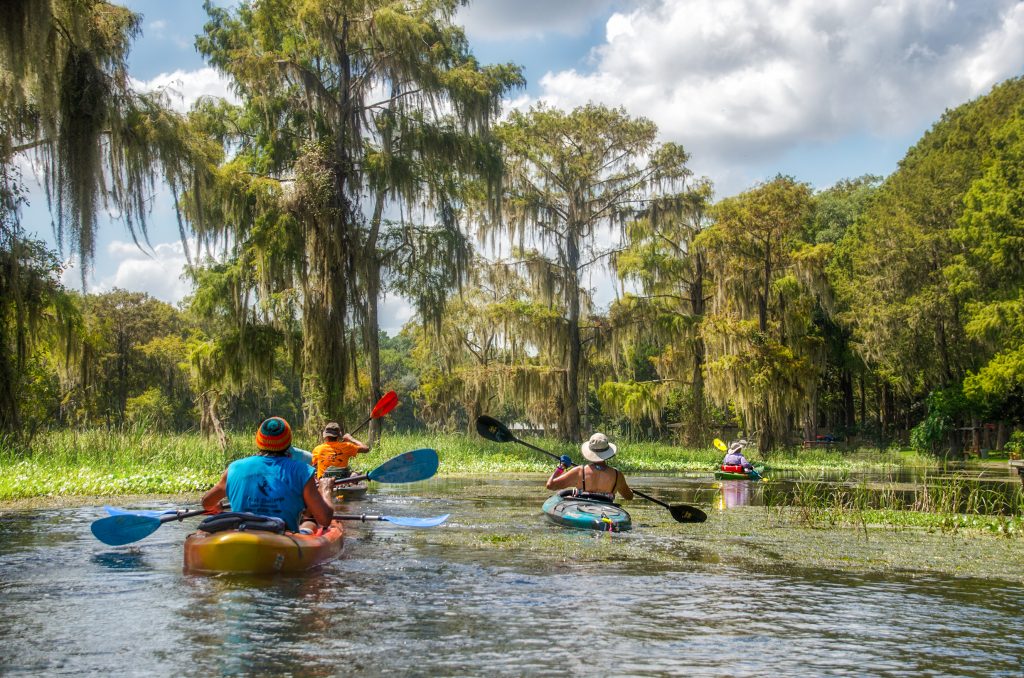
<point x="43" y="502"/>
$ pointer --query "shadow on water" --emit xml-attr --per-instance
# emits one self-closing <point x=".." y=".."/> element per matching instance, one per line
<point x="498" y="591"/>
<point x="121" y="560"/>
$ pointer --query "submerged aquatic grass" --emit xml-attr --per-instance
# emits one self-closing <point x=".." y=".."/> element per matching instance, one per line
<point x="947" y="503"/>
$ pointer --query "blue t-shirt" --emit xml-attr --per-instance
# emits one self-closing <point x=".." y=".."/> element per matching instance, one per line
<point x="269" y="486"/>
<point x="302" y="455"/>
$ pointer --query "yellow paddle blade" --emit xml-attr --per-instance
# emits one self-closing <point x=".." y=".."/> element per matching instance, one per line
<point x="720" y="445"/>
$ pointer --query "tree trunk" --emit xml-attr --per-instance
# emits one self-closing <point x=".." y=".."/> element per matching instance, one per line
<point x="766" y="436"/>
<point x="373" y="350"/>
<point x="810" y="420"/>
<point x="571" y="415"/>
<point x="849" y="413"/>
<point x="955" y="449"/>
<point x="697" y="308"/>
<point x="947" y="369"/>
<point x="863" y="402"/>
<point x="122" y="377"/>
<point x="762" y="306"/>
<point x="883" y="413"/>
<point x="975" y="436"/>
<point x="1002" y="435"/>
<point x="372" y="327"/>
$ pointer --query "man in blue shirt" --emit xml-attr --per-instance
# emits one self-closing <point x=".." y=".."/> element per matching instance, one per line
<point x="274" y="484"/>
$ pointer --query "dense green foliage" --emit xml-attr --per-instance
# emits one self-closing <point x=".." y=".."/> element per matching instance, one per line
<point x="349" y="108"/>
<point x="362" y="159"/>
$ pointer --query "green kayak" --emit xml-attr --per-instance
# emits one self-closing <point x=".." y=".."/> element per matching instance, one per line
<point x="728" y="475"/>
<point x="586" y="514"/>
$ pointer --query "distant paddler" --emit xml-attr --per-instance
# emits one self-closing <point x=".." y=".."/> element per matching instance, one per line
<point x="335" y="452"/>
<point x="734" y="461"/>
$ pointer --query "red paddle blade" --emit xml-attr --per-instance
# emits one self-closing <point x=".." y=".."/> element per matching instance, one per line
<point x="387" y="402"/>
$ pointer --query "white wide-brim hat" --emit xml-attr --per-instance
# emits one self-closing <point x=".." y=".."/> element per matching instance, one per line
<point x="737" y="446"/>
<point x="598" y="448"/>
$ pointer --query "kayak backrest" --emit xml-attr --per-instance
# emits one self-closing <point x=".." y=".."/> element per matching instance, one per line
<point x="243" y="522"/>
<point x="574" y="493"/>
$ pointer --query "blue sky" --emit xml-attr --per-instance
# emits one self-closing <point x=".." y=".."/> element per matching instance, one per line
<point x="752" y="88"/>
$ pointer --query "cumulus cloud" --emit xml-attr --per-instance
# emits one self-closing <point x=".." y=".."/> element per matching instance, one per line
<point x="394" y="312"/>
<point x="502" y="20"/>
<point x="185" y="87"/>
<point x="158" y="271"/>
<point x="740" y="81"/>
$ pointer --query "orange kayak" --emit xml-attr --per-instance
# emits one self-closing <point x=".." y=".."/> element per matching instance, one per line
<point x="252" y="552"/>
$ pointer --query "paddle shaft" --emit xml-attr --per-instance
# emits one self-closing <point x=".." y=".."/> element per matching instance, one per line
<point x="534" y="447"/>
<point x="386" y="403"/>
<point x="362" y="426"/>
<point x="352" y="479"/>
<point x="363" y="517"/>
<point x="181" y="515"/>
<point x="650" y="498"/>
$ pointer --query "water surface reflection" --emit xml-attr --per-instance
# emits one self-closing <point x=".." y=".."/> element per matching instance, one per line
<point x="409" y="602"/>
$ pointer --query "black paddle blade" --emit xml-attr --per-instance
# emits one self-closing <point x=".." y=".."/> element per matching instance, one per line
<point x="687" y="514"/>
<point x="492" y="429"/>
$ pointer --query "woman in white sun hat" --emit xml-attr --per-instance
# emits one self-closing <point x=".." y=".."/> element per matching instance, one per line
<point x="596" y="479"/>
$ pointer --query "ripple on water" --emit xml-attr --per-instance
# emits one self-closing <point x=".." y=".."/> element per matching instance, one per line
<point x="535" y="600"/>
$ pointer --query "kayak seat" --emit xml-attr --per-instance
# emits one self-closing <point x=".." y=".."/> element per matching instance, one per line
<point x="235" y="520"/>
<point x="732" y="468"/>
<point x="590" y="496"/>
<point x="337" y="472"/>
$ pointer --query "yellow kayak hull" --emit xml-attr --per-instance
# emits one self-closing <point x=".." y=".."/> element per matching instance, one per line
<point x="251" y="552"/>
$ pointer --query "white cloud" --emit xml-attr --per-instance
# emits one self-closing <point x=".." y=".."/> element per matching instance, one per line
<point x="743" y="81"/>
<point x="503" y="20"/>
<point x="185" y="87"/>
<point x="158" y="272"/>
<point x="393" y="312"/>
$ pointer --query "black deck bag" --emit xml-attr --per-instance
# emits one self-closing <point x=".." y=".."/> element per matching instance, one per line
<point x="242" y="521"/>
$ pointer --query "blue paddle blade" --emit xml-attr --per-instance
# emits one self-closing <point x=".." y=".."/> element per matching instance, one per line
<point x="407" y="468"/>
<point x="114" y="511"/>
<point x="416" y="522"/>
<point x="119" y="530"/>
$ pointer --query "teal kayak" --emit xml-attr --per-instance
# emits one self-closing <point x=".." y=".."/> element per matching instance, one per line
<point x="586" y="514"/>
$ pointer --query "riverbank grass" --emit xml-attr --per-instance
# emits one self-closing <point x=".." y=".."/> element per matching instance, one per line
<point x="136" y="461"/>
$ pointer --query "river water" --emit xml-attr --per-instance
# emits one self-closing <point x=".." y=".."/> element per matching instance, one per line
<point x="431" y="602"/>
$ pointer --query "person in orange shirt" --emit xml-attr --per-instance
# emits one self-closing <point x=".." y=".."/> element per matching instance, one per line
<point x="336" y="451"/>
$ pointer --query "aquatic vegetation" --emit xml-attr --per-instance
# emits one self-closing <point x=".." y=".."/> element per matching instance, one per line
<point x="134" y="460"/>
<point x="947" y="504"/>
